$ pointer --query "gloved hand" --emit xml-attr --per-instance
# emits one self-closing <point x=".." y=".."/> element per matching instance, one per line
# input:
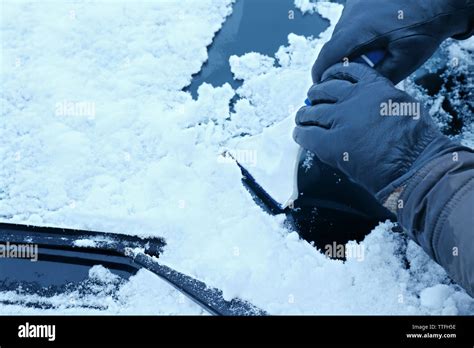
<point x="354" y="125"/>
<point x="409" y="37"/>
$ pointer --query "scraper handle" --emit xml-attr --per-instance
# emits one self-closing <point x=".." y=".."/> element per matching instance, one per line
<point x="371" y="59"/>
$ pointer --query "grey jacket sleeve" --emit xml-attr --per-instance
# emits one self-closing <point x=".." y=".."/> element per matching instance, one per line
<point x="436" y="208"/>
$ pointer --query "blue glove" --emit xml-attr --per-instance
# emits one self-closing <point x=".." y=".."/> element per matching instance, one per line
<point x="409" y="31"/>
<point x="373" y="132"/>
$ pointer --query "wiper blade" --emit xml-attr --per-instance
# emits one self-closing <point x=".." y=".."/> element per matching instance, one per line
<point x="138" y="252"/>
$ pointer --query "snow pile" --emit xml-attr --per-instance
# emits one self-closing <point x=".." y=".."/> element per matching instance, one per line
<point x="97" y="134"/>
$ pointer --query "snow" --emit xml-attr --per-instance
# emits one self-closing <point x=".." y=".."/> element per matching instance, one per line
<point x="96" y="133"/>
<point x="249" y="65"/>
<point x="308" y="6"/>
<point x="85" y="243"/>
<point x="435" y="296"/>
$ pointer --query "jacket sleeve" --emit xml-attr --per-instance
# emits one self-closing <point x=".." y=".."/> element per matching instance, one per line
<point x="436" y="208"/>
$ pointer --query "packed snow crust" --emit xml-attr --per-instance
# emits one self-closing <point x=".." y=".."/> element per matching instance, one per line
<point x="96" y="133"/>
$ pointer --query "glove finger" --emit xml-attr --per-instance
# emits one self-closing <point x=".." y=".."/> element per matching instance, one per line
<point x="351" y="72"/>
<point x="342" y="46"/>
<point x="318" y="116"/>
<point x="329" y="92"/>
<point x="333" y="52"/>
<point x="314" y="139"/>
<point x="402" y="60"/>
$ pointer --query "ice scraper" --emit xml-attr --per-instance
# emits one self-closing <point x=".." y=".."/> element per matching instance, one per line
<point x="320" y="201"/>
